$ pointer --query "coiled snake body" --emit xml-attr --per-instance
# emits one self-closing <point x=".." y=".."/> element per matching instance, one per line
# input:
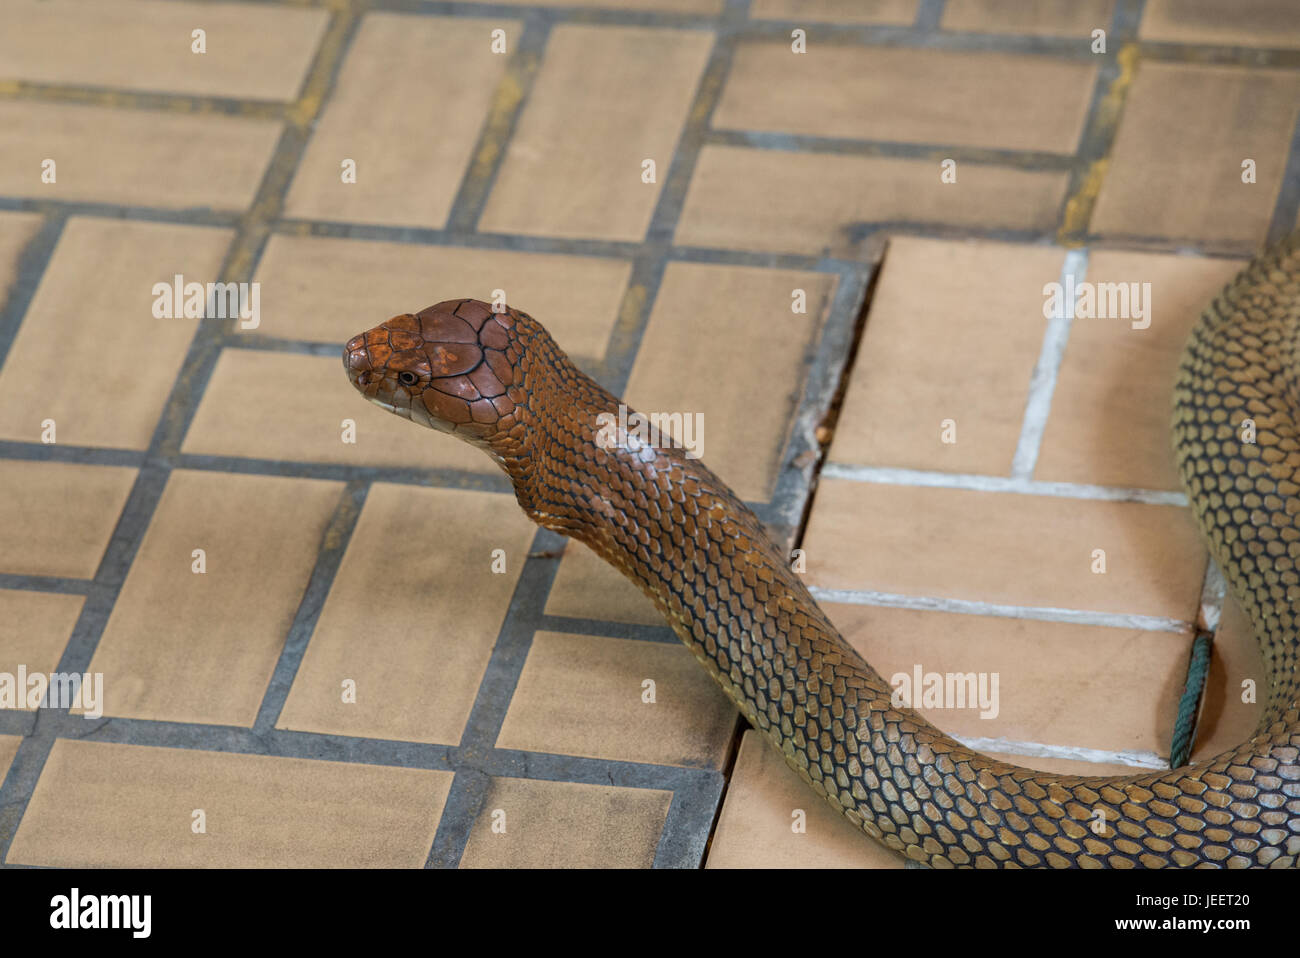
<point x="670" y="525"/>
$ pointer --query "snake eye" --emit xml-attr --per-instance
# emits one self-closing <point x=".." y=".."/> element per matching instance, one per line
<point x="407" y="378"/>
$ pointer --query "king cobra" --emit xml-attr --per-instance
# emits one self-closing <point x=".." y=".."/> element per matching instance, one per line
<point x="496" y="379"/>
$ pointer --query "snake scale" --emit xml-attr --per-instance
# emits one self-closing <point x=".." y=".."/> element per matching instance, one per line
<point x="498" y="380"/>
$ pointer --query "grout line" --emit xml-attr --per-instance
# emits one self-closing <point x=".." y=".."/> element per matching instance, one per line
<point x="928" y="15"/>
<point x="695" y="806"/>
<point x="512" y="96"/>
<point x="977" y="483"/>
<point x="1286" y="209"/>
<point x="182" y="401"/>
<point x="1136" y="758"/>
<point x="770" y="140"/>
<point x="226" y="219"/>
<point x="893" y="600"/>
<point x="130" y="99"/>
<point x="1213" y="592"/>
<point x="491" y="703"/>
<point x="58" y="585"/>
<point x="1043" y="383"/>
<point x="606" y="629"/>
<point x="334" y="544"/>
<point x="33" y="263"/>
<point x="1109" y="95"/>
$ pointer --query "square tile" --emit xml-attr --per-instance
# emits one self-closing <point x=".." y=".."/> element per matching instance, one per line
<point x="587" y="695"/>
<point x="1248" y="23"/>
<point x="272" y="405"/>
<point x="1005" y="548"/>
<point x="34" y="631"/>
<point x="324" y="290"/>
<point x="605" y="100"/>
<point x="829" y="202"/>
<point x="155" y="158"/>
<point x="257" y="52"/>
<point x="1058" y="683"/>
<point x="407" y="107"/>
<point x="566" y="825"/>
<point x="588" y="587"/>
<point x="736" y="320"/>
<point x="771" y="818"/>
<point x="185" y="646"/>
<point x="898" y="13"/>
<point x="984" y="303"/>
<point x="412" y="616"/>
<point x="1176" y="167"/>
<point x="1059" y="18"/>
<point x="56" y="518"/>
<point x="1111" y="421"/>
<point x="91" y="326"/>
<point x="104" y="805"/>
<point x="908" y="95"/>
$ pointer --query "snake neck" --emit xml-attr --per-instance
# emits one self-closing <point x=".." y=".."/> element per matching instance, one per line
<point x="679" y="533"/>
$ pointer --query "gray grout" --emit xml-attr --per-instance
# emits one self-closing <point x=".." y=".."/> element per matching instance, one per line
<point x="696" y="792"/>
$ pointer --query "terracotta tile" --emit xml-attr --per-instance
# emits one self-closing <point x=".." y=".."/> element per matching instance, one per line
<point x="902" y="389"/>
<point x="1059" y="683"/>
<point x="1005" y="548"/>
<point x="588" y="587"/>
<point x="606" y="99"/>
<point x="1175" y="169"/>
<point x="8" y="749"/>
<point x="253" y="52"/>
<point x="1110" y="419"/>
<point x="829" y="198"/>
<point x="310" y="291"/>
<point x="1062" y="18"/>
<point x="900" y="13"/>
<point x="1226" y="721"/>
<point x="135" y="157"/>
<point x="16" y="231"/>
<point x="426" y="83"/>
<point x="757" y="822"/>
<point x="750" y="325"/>
<point x="56" y="518"/>
<point x="91" y="321"/>
<point x="1251" y="23"/>
<point x="585" y="695"/>
<point x="34" y="630"/>
<point x="566" y="825"/>
<point x="186" y="647"/>
<point x="659" y="6"/>
<point x="909" y="95"/>
<point x="104" y="805"/>
<point x="267" y="405"/>
<point x="412" y="617"/>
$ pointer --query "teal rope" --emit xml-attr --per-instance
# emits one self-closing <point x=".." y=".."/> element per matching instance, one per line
<point x="1198" y="669"/>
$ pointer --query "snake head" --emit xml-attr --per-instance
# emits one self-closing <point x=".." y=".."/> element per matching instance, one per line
<point x="448" y="367"/>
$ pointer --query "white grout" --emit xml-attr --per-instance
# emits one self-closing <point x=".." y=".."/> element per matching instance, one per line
<point x="1043" y="382"/>
<point x="1212" y="595"/>
<point x="1028" y="487"/>
<point x="1077" y="752"/>
<point x="1117" y="620"/>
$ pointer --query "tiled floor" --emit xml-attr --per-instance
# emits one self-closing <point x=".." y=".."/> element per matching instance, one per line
<point x="382" y="662"/>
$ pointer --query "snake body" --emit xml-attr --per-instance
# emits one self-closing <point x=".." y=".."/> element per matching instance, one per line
<point x="498" y="380"/>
